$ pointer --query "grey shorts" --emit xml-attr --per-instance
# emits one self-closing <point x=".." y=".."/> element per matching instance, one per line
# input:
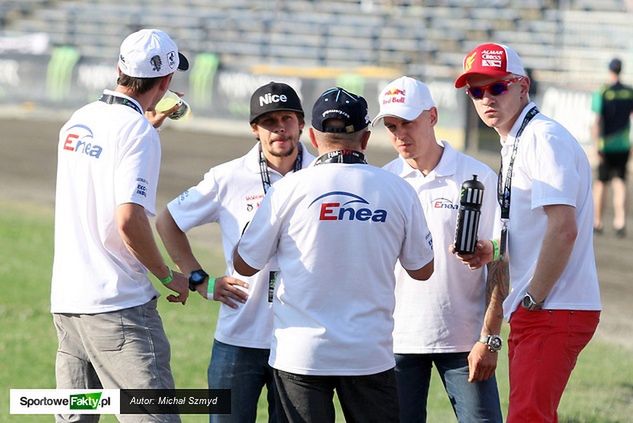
<point x="120" y="349"/>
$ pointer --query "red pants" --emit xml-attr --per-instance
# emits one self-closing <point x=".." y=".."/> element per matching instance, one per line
<point x="543" y="347"/>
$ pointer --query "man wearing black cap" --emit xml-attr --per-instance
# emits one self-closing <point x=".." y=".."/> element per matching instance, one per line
<point x="612" y="105"/>
<point x="337" y="229"/>
<point x="230" y="194"/>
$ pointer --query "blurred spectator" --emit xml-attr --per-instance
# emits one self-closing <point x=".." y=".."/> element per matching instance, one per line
<point x="612" y="105"/>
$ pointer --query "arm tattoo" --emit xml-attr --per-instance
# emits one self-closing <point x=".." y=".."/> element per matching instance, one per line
<point x="497" y="283"/>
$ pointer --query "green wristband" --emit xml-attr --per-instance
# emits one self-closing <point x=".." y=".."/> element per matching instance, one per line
<point x="210" y="289"/>
<point x="167" y="279"/>
<point x="495" y="250"/>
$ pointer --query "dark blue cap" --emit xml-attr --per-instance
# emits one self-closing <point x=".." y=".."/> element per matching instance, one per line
<point x="337" y="103"/>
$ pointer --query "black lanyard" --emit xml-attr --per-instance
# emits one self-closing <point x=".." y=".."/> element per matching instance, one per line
<point x="265" y="176"/>
<point x="504" y="187"/>
<point x="263" y="166"/>
<point x="341" y="156"/>
<point x="112" y="99"/>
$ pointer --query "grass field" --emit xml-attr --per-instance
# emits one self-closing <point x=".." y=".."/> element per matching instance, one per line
<point x="601" y="389"/>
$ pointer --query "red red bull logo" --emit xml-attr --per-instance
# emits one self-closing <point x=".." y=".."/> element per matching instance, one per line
<point x="394" y="95"/>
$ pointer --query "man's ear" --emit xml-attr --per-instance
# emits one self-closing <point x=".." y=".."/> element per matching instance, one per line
<point x="433" y="112"/>
<point x="254" y="130"/>
<point x="313" y="140"/>
<point x="165" y="81"/>
<point x="364" y="140"/>
<point x="525" y="85"/>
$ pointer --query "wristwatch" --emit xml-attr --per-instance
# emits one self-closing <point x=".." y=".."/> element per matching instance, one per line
<point x="530" y="304"/>
<point x="196" y="278"/>
<point x="493" y="342"/>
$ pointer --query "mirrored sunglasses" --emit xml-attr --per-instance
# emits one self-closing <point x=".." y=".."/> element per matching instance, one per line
<point x="495" y="89"/>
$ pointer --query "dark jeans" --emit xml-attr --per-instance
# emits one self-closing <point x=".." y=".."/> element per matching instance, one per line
<point x="364" y="399"/>
<point x="244" y="371"/>
<point x="472" y="402"/>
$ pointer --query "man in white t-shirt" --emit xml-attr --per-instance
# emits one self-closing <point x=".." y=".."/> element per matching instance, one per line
<point x="547" y="212"/>
<point x="103" y="304"/>
<point x="337" y="229"/>
<point x="229" y="195"/>
<point x="453" y="321"/>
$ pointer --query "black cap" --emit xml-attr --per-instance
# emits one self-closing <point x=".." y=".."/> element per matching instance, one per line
<point x="273" y="97"/>
<point x="336" y="103"/>
<point x="615" y="65"/>
<point x="183" y="63"/>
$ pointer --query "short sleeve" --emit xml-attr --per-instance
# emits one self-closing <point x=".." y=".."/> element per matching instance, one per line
<point x="417" y="248"/>
<point x="260" y="239"/>
<point x="138" y="167"/>
<point x="197" y="205"/>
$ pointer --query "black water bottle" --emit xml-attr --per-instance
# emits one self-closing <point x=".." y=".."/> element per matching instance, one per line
<point x="470" y="200"/>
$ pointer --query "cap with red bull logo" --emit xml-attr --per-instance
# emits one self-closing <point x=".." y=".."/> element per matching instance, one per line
<point x="405" y="98"/>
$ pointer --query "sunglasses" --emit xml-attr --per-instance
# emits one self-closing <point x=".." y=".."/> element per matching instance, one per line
<point x="495" y="89"/>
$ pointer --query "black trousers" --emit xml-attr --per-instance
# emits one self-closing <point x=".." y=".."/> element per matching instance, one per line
<point x="303" y="398"/>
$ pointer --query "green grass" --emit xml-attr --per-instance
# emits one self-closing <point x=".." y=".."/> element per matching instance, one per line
<point x="601" y="388"/>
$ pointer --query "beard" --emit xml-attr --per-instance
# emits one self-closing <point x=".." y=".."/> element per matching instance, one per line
<point x="286" y="153"/>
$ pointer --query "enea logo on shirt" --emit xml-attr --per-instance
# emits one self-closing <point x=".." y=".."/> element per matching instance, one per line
<point x="444" y="203"/>
<point x="79" y="139"/>
<point x="335" y="205"/>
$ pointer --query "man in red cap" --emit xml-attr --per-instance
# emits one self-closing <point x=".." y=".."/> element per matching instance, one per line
<point x="544" y="191"/>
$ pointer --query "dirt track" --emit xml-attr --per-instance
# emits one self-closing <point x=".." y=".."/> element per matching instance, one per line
<point x="27" y="175"/>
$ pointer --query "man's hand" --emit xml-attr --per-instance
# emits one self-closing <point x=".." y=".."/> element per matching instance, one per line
<point x="157" y="118"/>
<point x="227" y="291"/>
<point x="482" y="255"/>
<point x="482" y="363"/>
<point x="180" y="284"/>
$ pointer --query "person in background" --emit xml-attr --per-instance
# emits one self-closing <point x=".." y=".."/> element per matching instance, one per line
<point x="337" y="229"/>
<point x="546" y="205"/>
<point x="613" y="106"/>
<point x="103" y="303"/>
<point x="229" y="195"/>
<point x="454" y="320"/>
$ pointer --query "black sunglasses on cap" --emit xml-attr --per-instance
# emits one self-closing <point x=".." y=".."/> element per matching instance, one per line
<point x="496" y="88"/>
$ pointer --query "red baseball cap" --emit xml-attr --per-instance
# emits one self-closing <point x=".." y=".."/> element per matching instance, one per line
<point x="491" y="59"/>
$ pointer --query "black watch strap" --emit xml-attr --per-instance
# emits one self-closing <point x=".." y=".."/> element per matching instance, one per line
<point x="196" y="278"/>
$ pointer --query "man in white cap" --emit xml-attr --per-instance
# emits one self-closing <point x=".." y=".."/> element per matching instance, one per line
<point x="453" y="320"/>
<point x="546" y="204"/>
<point x="103" y="303"/>
<point x="229" y="195"/>
<point x="337" y="229"/>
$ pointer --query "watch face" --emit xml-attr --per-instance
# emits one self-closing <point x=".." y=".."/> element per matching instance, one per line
<point x="495" y="343"/>
<point x="527" y="302"/>
<point x="197" y="277"/>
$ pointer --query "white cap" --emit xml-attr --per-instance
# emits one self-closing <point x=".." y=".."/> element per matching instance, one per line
<point x="405" y="98"/>
<point x="150" y="53"/>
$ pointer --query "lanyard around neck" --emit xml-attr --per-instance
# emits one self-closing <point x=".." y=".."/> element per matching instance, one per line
<point x="112" y="99"/>
<point x="263" y="166"/>
<point x="504" y="187"/>
<point x="342" y="156"/>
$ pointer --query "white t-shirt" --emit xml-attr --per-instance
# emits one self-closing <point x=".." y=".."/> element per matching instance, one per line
<point x="108" y="155"/>
<point x="444" y="314"/>
<point x="550" y="169"/>
<point x="229" y="195"/>
<point x="337" y="230"/>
